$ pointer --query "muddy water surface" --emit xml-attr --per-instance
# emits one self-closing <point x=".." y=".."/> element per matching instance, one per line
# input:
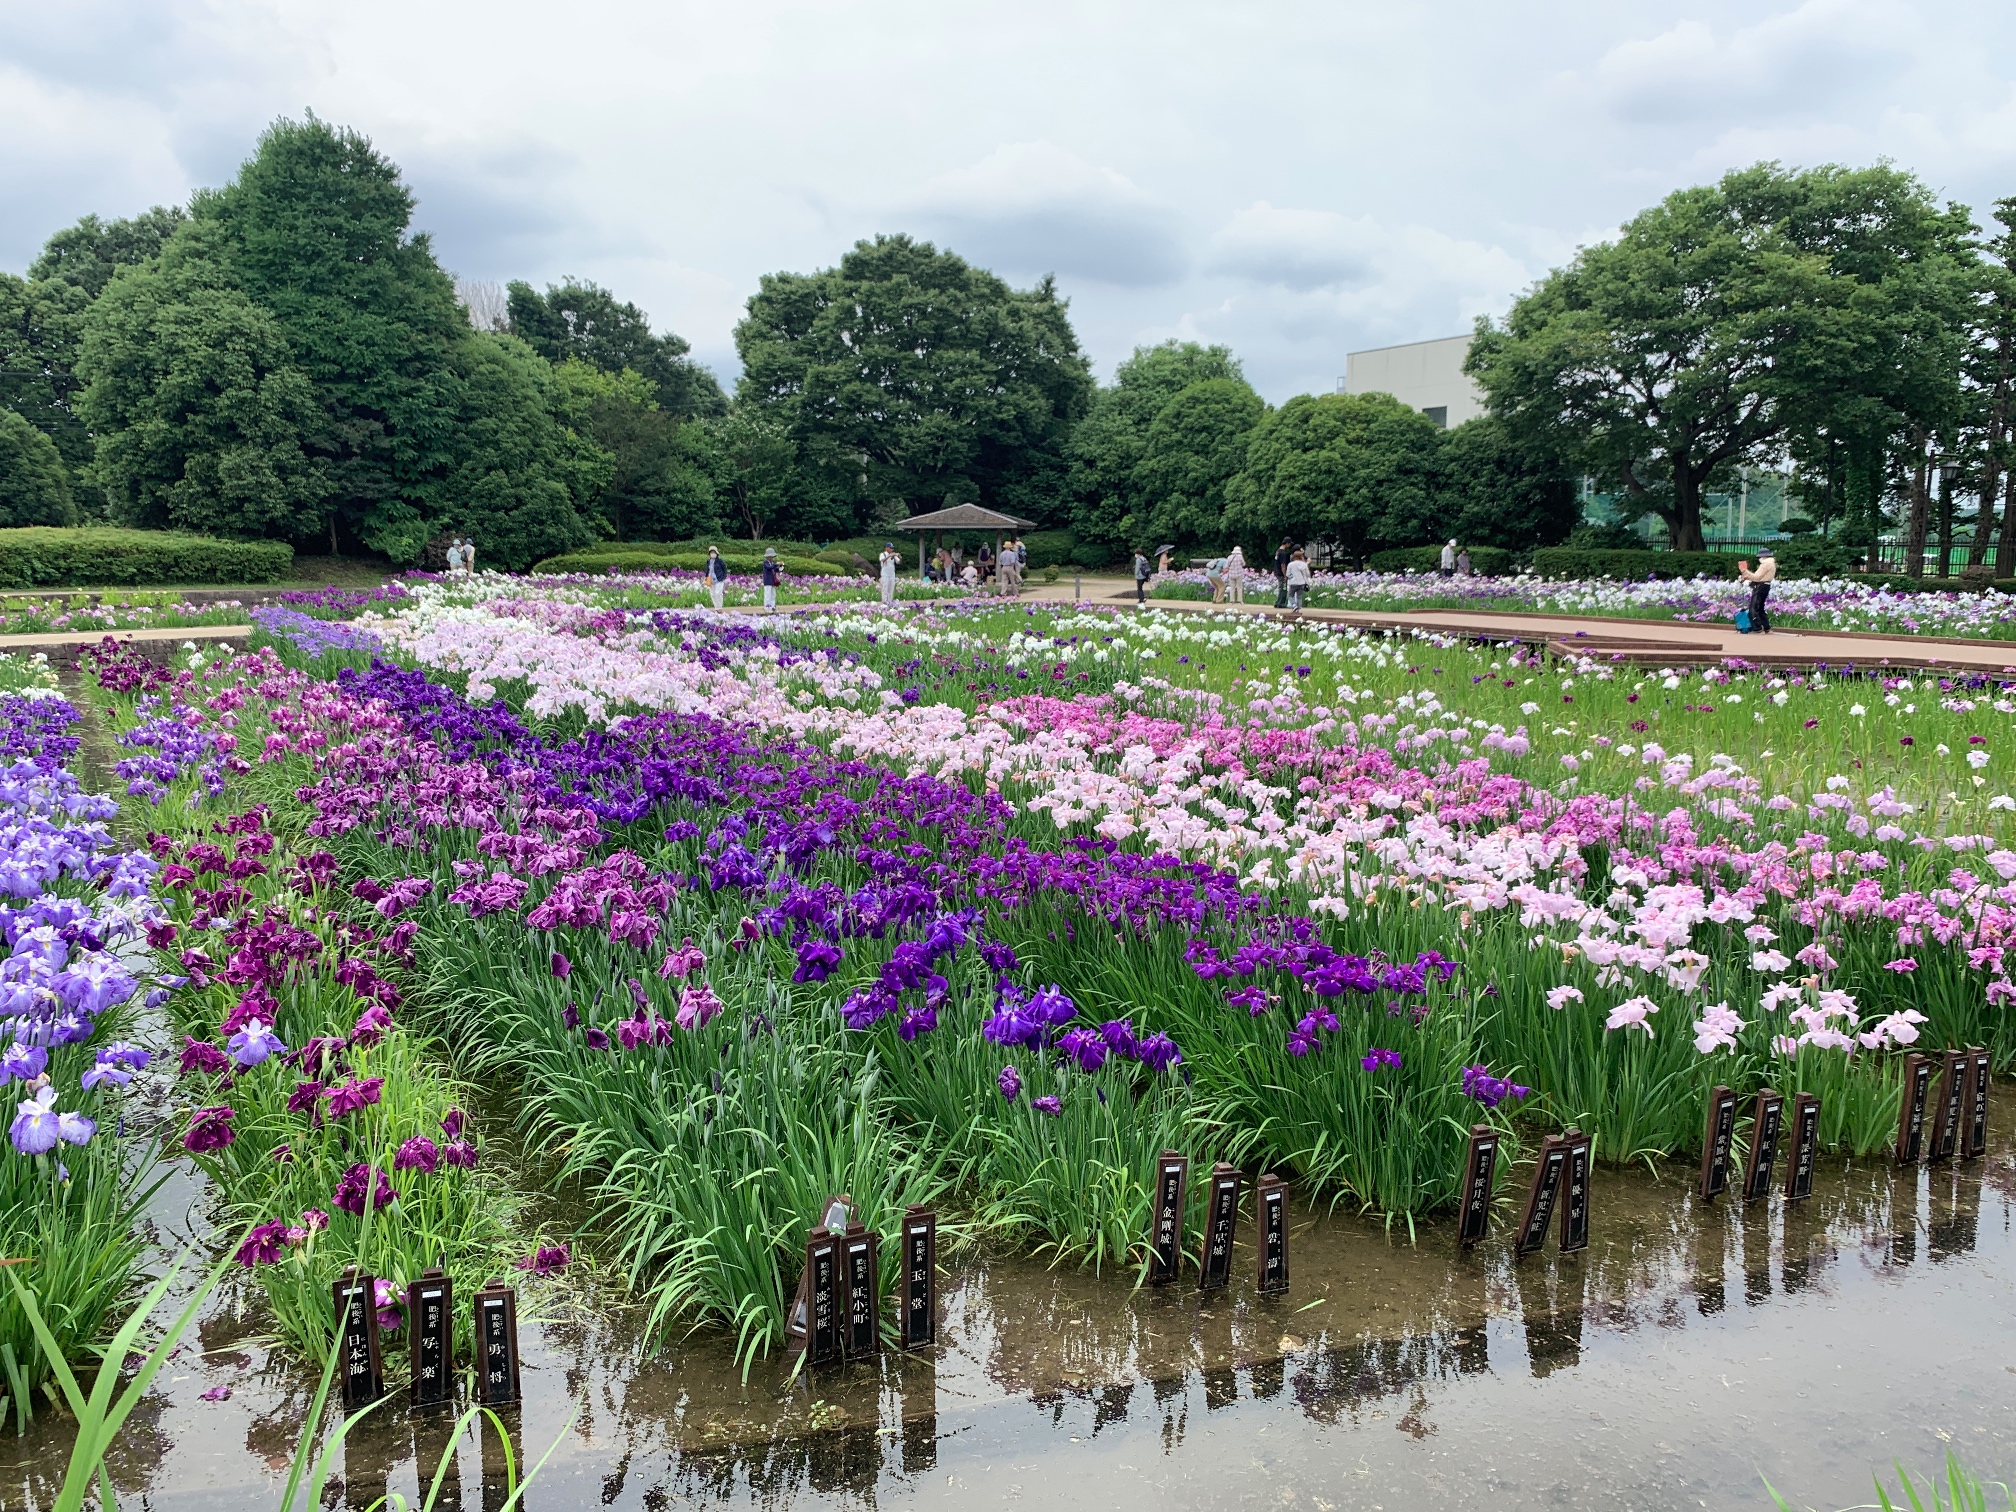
<point x="1689" y="1352"/>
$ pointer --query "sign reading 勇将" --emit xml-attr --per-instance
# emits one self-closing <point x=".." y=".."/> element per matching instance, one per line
<point x="496" y="1345"/>
<point x="1172" y="1180"/>
<point x="430" y="1315"/>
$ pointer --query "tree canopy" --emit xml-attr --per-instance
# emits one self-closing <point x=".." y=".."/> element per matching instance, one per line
<point x="585" y="322"/>
<point x="34" y="486"/>
<point x="940" y="379"/>
<point x="1361" y="471"/>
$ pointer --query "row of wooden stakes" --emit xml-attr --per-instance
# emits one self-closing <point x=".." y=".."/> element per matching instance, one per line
<point x="1946" y="1123"/>
<point x="430" y="1330"/>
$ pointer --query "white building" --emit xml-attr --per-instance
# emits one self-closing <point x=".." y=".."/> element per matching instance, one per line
<point x="1424" y="375"/>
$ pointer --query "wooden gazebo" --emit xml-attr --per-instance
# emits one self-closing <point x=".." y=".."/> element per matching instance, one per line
<point x="964" y="517"/>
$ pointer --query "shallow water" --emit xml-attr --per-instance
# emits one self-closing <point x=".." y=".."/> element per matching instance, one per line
<point x="1688" y="1352"/>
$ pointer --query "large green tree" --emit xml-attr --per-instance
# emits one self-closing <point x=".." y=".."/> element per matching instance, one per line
<point x="937" y="377"/>
<point x="1360" y="471"/>
<point x="1194" y="448"/>
<point x="1496" y="493"/>
<point x="1109" y="444"/>
<point x="34" y="484"/>
<point x="661" y="482"/>
<point x="1723" y="320"/>
<point x="87" y="254"/>
<point x="584" y="321"/>
<point x="203" y="418"/>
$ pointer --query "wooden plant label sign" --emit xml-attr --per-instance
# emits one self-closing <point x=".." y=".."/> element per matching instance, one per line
<point x="1911" y="1115"/>
<point x="864" y="1301"/>
<point x="496" y="1345"/>
<point x="363" y="1368"/>
<point x="1716" y="1143"/>
<point x="1474" y="1220"/>
<point x="1221" y="1227"/>
<point x="920" y="1278"/>
<point x="1540" y="1197"/>
<point x="1575" y="1193"/>
<point x="1271" y="1200"/>
<point x="1767" y="1121"/>
<point x="1948" y="1103"/>
<point x="824" y="1319"/>
<point x="1172" y="1182"/>
<point x="1805" y="1147"/>
<point x="430" y="1318"/>
<point x="1974" y="1137"/>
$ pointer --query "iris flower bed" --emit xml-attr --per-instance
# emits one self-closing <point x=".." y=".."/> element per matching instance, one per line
<point x="981" y="906"/>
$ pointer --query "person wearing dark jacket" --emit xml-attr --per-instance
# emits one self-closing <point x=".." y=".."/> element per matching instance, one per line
<point x="773" y="574"/>
<point x="1143" y="570"/>
<point x="1283" y="555"/>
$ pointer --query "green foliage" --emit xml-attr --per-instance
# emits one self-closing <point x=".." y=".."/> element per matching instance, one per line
<point x="769" y="481"/>
<point x="1634" y="566"/>
<point x="204" y="419"/>
<point x="34" y="486"/>
<point x="40" y="325"/>
<point x="47" y="557"/>
<point x="1487" y="561"/>
<point x="1111" y="499"/>
<point x="1727" y="317"/>
<point x="1810" y="556"/>
<point x="1195" y="446"/>
<point x="945" y="380"/>
<point x="1500" y="493"/>
<point x="630" y="559"/>
<point x="87" y="254"/>
<point x="1359" y="470"/>
<point x="584" y="322"/>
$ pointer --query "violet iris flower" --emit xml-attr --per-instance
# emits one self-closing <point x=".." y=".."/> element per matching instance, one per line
<point x="23" y="1062"/>
<point x="547" y="1260"/>
<point x="1054" y="1106"/>
<point x="254" y="1043"/>
<point x="1010" y="1083"/>
<point x="264" y="1245"/>
<point x="418" y="1154"/>
<point x="350" y="1191"/>
<point x="37" y="1126"/>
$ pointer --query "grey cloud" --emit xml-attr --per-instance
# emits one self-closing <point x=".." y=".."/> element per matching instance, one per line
<point x="1036" y="208"/>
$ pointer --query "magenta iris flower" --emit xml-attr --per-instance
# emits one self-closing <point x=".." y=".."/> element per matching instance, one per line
<point x="209" y="1130"/>
<point x="263" y="1246"/>
<point x="1054" y="1106"/>
<point x="202" y="1056"/>
<point x="1010" y="1083"/>
<point x="350" y="1191"/>
<point x="547" y="1260"/>
<point x="418" y="1154"/>
<point x="354" y="1095"/>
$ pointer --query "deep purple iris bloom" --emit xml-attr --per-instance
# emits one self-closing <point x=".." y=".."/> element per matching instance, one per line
<point x="209" y="1129"/>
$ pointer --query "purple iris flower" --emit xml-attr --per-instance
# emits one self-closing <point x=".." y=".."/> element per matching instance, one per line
<point x="264" y="1245"/>
<point x="547" y="1260"/>
<point x="1010" y="1083"/>
<point x="1054" y="1106"/>
<point x="816" y="961"/>
<point x="560" y="966"/>
<point x="38" y="1127"/>
<point x="459" y="1153"/>
<point x="1380" y="1057"/>
<point x="202" y="1056"/>
<point x="1158" y="1052"/>
<point x="1051" y="1007"/>
<point x="350" y="1191"/>
<point x="1085" y="1046"/>
<point x="209" y="1129"/>
<point x="355" y="1095"/>
<point x="1480" y="1084"/>
<point x="254" y="1043"/>
<point x="418" y="1154"/>
<point x="23" y="1062"/>
<point x="1119" y="1037"/>
<point x="104" y="1073"/>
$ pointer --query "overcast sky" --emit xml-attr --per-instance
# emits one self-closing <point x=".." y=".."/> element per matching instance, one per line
<point x="1296" y="181"/>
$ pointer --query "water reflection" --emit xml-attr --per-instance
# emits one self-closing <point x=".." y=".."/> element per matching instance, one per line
<point x="1376" y="1333"/>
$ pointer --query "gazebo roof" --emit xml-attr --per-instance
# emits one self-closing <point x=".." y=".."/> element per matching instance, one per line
<point x="964" y="517"/>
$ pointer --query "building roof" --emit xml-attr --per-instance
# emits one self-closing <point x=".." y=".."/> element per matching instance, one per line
<point x="964" y="517"/>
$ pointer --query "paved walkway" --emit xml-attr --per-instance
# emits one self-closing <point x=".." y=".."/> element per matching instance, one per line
<point x="62" y="646"/>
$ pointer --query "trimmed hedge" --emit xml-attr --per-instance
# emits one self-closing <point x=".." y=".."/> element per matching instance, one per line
<point x="1632" y="566"/>
<point x="1489" y="561"/>
<point x="38" y="556"/>
<point x="690" y="561"/>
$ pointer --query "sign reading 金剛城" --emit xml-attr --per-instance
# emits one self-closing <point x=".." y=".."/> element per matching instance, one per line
<point x="1172" y="1180"/>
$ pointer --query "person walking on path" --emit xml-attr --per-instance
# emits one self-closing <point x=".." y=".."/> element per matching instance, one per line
<point x="468" y="555"/>
<point x="1297" y="577"/>
<point x="717" y="574"/>
<point x="454" y="556"/>
<point x="1463" y="562"/>
<point x="889" y="559"/>
<point x="1449" y="560"/>
<point x="773" y="574"/>
<point x="1142" y="571"/>
<point x="1235" y="576"/>
<point x="1760" y="579"/>
<point x="1282" y="554"/>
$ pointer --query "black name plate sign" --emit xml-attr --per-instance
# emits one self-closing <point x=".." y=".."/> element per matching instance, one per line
<point x="356" y="1297"/>
<point x="1474" y="1220"/>
<point x="1767" y="1121"/>
<point x="1948" y="1105"/>
<point x="824" y="1315"/>
<point x="1270" y="1198"/>
<point x="1540" y="1197"/>
<point x="1221" y="1227"/>
<point x="864" y="1302"/>
<point x="1575" y="1193"/>
<point x="1911" y="1115"/>
<point x="920" y="1278"/>
<point x="1974" y="1132"/>
<point x="430" y="1317"/>
<point x="496" y="1345"/>
<point x="1172" y="1182"/>
<point x="1716" y="1142"/>
<point x="1805" y="1147"/>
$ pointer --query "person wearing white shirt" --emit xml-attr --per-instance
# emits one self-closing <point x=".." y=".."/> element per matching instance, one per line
<point x="1298" y="580"/>
<point x="1235" y="576"/>
<point x="889" y="560"/>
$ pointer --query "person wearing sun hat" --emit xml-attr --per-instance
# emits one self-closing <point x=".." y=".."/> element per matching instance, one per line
<point x="1760" y="579"/>
<point x="772" y="576"/>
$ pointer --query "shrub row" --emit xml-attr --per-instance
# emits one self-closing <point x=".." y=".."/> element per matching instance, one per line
<point x="1491" y="561"/>
<point x="1632" y="566"/>
<point x="691" y="561"/>
<point x="51" y="556"/>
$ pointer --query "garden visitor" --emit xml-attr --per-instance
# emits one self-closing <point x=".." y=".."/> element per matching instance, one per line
<point x="454" y="555"/>
<point x="1011" y="566"/>
<point x="1297" y="577"/>
<point x="772" y="576"/>
<point x="970" y="576"/>
<point x="717" y="574"/>
<point x="1449" y="560"/>
<point x="468" y="555"/>
<point x="889" y="560"/>
<point x="1759" y="579"/>
<point x="941" y="565"/>
<point x="986" y="561"/>
<point x="1162" y="559"/>
<point x="1141" y="572"/>
<point x="1463" y="562"/>
<point x="1214" y="574"/>
<point x="1282" y="554"/>
<point x="1235" y="576"/>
